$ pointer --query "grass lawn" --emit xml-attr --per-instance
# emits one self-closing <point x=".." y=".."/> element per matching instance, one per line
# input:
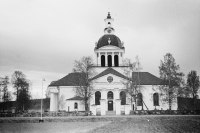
<point x="57" y="127"/>
<point x="110" y="124"/>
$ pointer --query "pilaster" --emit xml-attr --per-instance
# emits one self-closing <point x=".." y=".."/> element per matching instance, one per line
<point x="103" y="93"/>
<point x="103" y="106"/>
<point x="118" y="106"/>
<point x="116" y="90"/>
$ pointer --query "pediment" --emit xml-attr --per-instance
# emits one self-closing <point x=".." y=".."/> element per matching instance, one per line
<point x="109" y="78"/>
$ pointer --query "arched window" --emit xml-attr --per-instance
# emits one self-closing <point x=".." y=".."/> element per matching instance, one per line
<point x="123" y="98"/>
<point x="97" y="98"/>
<point x="116" y="60"/>
<point x="76" y="105"/>
<point x="109" y="60"/>
<point x="110" y="95"/>
<point x="102" y="60"/>
<point x="155" y="99"/>
<point x="139" y="99"/>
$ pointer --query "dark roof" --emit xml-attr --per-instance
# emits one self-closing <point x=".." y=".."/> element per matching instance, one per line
<point x="75" y="98"/>
<point x="72" y="79"/>
<point x="109" y="71"/>
<point x="103" y="41"/>
<point x="147" y="78"/>
<point x="76" y="79"/>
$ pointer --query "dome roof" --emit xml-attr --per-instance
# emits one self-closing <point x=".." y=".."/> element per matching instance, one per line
<point x="105" y="39"/>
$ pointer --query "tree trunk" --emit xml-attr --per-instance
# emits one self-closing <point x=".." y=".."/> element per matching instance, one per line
<point x="170" y="102"/>
<point x="131" y="103"/>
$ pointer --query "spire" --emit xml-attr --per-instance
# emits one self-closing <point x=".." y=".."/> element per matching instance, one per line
<point x="109" y="25"/>
<point x="108" y="15"/>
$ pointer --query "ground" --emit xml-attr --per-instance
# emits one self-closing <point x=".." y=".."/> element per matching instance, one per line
<point x="108" y="124"/>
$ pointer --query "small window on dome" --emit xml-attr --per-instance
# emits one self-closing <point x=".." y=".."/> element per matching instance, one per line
<point x="108" y="22"/>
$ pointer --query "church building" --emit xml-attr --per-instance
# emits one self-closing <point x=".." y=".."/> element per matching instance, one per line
<point x="109" y="96"/>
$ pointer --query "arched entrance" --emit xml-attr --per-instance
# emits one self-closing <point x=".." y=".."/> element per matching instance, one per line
<point x="102" y="60"/>
<point x="110" y="105"/>
<point x="116" y="60"/>
<point x="109" y="60"/>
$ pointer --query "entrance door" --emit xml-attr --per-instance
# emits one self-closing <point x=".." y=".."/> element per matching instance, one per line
<point x="110" y="105"/>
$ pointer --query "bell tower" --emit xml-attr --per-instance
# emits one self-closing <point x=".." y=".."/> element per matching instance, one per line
<point x="109" y="25"/>
<point x="109" y="49"/>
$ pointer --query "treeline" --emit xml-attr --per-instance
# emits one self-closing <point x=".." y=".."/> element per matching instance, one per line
<point x="22" y="94"/>
<point x="35" y="104"/>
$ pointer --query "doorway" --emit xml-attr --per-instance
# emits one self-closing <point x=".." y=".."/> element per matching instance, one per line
<point x="110" y="105"/>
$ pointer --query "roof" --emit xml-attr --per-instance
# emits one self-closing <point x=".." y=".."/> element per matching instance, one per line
<point x="113" y="39"/>
<point x="75" y="98"/>
<point x="75" y="79"/>
<point x="147" y="78"/>
<point x="109" y="71"/>
<point x="72" y="79"/>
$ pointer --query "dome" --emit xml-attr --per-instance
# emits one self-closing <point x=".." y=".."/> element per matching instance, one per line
<point x="109" y="40"/>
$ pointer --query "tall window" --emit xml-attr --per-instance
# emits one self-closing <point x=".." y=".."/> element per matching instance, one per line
<point x="97" y="98"/>
<point x="110" y="95"/>
<point x="116" y="60"/>
<point x="76" y="105"/>
<point x="155" y="99"/>
<point x="139" y="99"/>
<point x="102" y="60"/>
<point x="109" y="60"/>
<point x="123" y="98"/>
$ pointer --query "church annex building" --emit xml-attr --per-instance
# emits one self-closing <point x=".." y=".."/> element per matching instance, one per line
<point x="109" y="96"/>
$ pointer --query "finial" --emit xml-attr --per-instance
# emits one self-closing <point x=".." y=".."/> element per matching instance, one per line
<point x="108" y="15"/>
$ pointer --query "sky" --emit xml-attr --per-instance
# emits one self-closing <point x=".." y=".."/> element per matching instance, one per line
<point x="43" y="38"/>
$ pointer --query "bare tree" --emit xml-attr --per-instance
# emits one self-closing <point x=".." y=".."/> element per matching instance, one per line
<point x="84" y="86"/>
<point x="172" y="77"/>
<point x="132" y="84"/>
<point x="61" y="102"/>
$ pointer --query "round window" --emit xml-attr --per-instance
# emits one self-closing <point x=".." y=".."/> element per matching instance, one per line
<point x="110" y="79"/>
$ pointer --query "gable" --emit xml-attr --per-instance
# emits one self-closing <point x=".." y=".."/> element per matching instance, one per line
<point x="104" y="79"/>
<point x="109" y="71"/>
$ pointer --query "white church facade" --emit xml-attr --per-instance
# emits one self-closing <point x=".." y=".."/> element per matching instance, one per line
<point x="109" y="95"/>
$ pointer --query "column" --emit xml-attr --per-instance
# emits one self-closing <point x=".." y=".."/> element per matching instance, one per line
<point x="118" y="106"/>
<point x="113" y="61"/>
<point x="99" y="59"/>
<point x="57" y="100"/>
<point x="106" y="59"/>
<point x="103" y="105"/>
<point x="52" y="102"/>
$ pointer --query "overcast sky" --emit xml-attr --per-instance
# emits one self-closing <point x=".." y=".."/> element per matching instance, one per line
<point x="42" y="38"/>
